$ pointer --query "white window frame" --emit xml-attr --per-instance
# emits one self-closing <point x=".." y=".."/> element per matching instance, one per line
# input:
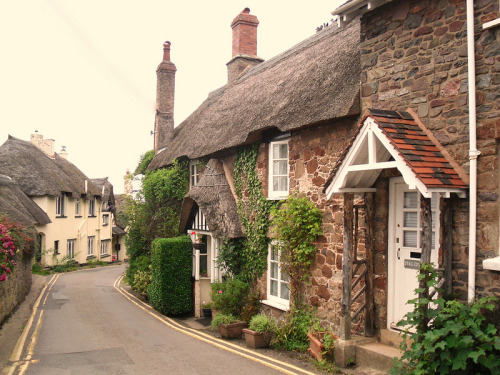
<point x="70" y="248"/>
<point x="278" y="194"/>
<point x="105" y="219"/>
<point x="271" y="300"/>
<point x="90" y="246"/>
<point x="91" y="207"/>
<point x="104" y="247"/>
<point x="60" y="206"/>
<point x="77" y="207"/>
<point x="194" y="173"/>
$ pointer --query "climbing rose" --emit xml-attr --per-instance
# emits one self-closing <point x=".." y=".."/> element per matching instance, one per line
<point x="3" y="277"/>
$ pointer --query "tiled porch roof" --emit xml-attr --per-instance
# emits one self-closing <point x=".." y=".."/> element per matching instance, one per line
<point x="421" y="153"/>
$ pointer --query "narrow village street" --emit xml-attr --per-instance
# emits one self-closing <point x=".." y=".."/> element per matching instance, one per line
<point x="86" y="324"/>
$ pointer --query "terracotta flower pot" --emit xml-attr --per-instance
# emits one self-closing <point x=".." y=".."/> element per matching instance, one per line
<point x="316" y="347"/>
<point x="257" y="339"/>
<point x="232" y="331"/>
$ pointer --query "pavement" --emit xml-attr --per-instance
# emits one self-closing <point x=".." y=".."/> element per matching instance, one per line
<point x="14" y="325"/>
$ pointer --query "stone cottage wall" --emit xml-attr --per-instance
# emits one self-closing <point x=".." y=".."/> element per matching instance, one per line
<point x="14" y="289"/>
<point x="414" y="55"/>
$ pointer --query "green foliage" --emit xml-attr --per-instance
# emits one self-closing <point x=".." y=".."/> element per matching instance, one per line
<point x="329" y="343"/>
<point x="138" y="264"/>
<point x="228" y="296"/>
<point x="253" y="211"/>
<point x="93" y="263"/>
<point x="291" y="332"/>
<point x="297" y="223"/>
<point x="155" y="213"/>
<point x="220" y="318"/>
<point x="171" y="262"/>
<point x="450" y="337"/>
<point x="142" y="280"/>
<point x="144" y="162"/>
<point x="229" y="258"/>
<point x="37" y="268"/>
<point x="261" y="323"/>
<point x="250" y="305"/>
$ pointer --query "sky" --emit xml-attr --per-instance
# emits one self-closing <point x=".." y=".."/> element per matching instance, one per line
<point x="84" y="72"/>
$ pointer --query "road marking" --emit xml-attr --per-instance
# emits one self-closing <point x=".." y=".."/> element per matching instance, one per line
<point x="208" y="338"/>
<point x="18" y="349"/>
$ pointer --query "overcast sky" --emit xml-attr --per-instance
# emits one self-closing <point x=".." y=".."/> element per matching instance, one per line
<point x="83" y="72"/>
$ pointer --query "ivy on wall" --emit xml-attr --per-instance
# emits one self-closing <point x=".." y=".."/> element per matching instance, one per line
<point x="253" y="210"/>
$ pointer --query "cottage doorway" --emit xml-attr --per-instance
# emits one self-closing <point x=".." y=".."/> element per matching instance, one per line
<point x="405" y="247"/>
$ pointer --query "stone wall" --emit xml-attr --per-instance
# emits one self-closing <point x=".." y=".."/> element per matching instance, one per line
<point x="14" y="289"/>
<point x="414" y="55"/>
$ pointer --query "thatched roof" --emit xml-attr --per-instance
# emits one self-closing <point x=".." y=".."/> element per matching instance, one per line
<point x="38" y="175"/>
<point x="106" y="189"/>
<point x="17" y="206"/>
<point x="215" y="199"/>
<point x="120" y="202"/>
<point x="313" y="82"/>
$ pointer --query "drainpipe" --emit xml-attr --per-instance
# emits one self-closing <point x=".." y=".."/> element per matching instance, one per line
<point x="473" y="152"/>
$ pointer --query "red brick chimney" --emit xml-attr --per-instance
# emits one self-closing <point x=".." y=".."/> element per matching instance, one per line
<point x="165" y="89"/>
<point x="244" y="45"/>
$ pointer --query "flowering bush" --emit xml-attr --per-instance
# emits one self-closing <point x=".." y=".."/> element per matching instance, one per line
<point x="7" y="253"/>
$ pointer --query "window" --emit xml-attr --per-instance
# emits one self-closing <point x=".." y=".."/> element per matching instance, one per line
<point x="204" y="258"/>
<point x="278" y="169"/>
<point x="56" y="247"/>
<point x="104" y="247"/>
<point x="60" y="206"/>
<point x="278" y="292"/>
<point x="90" y="245"/>
<point x="71" y="249"/>
<point x="92" y="207"/>
<point x="105" y="220"/>
<point x="77" y="207"/>
<point x="194" y="173"/>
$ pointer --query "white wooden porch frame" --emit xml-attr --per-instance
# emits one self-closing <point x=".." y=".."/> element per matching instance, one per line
<point x="371" y="131"/>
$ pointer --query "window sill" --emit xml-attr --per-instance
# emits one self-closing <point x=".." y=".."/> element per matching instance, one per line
<point x="276" y="305"/>
<point x="60" y="216"/>
<point x="90" y="256"/>
<point x="105" y="225"/>
<point x="78" y="216"/>
<point x="105" y="255"/>
<point x="492" y="264"/>
<point x="489" y="25"/>
<point x="278" y="198"/>
<point x="92" y="216"/>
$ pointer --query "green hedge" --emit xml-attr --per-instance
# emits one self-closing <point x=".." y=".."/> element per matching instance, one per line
<point x="171" y="263"/>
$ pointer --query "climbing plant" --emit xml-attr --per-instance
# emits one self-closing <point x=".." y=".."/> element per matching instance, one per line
<point x="296" y="223"/>
<point x="253" y="210"/>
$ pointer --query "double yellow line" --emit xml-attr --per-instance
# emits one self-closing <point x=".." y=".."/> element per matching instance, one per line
<point x="15" y="358"/>
<point x="222" y="344"/>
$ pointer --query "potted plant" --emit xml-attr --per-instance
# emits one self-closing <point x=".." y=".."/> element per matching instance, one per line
<point x="321" y="343"/>
<point x="207" y="309"/>
<point x="229" y="327"/>
<point x="259" y="332"/>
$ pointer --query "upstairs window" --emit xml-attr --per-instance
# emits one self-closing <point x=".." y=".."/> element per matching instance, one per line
<point x="77" y="207"/>
<point x="278" y="169"/>
<point x="92" y="207"/>
<point x="105" y="220"/>
<point x="60" y="206"/>
<point x="194" y="173"/>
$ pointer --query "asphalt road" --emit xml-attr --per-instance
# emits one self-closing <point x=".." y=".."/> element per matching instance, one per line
<point x="85" y="325"/>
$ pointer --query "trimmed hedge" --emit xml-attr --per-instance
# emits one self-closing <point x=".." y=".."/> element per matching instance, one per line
<point x="171" y="264"/>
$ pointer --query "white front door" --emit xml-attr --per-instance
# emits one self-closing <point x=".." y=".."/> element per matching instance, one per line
<point x="405" y="247"/>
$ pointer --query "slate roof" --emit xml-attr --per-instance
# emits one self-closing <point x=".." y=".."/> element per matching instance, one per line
<point x="428" y="160"/>
<point x="315" y="81"/>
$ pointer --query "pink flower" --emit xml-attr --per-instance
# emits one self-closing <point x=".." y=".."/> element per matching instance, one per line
<point x="220" y="291"/>
<point x="8" y="270"/>
<point x="3" y="277"/>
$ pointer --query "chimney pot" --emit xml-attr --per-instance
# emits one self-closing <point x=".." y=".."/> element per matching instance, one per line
<point x="245" y="33"/>
<point x="166" y="51"/>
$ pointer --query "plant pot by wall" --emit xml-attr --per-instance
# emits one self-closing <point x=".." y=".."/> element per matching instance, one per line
<point x="257" y="339"/>
<point x="232" y="331"/>
<point x="316" y="347"/>
<point x="207" y="312"/>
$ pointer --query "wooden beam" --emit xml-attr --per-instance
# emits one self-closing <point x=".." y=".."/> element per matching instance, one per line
<point x="426" y="220"/>
<point x="372" y="166"/>
<point x="370" y="279"/>
<point x="345" y="326"/>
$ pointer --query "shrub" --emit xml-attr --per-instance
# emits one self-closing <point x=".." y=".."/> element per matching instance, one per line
<point x="228" y="296"/>
<point x="141" y="263"/>
<point x="220" y="318"/>
<point x="261" y="323"/>
<point x="142" y="280"/>
<point x="291" y="332"/>
<point x="455" y="339"/>
<point x="170" y="291"/>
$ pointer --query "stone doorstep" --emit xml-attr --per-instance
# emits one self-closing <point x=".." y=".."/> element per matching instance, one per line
<point x="345" y="350"/>
<point x="391" y="338"/>
<point x="376" y="356"/>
